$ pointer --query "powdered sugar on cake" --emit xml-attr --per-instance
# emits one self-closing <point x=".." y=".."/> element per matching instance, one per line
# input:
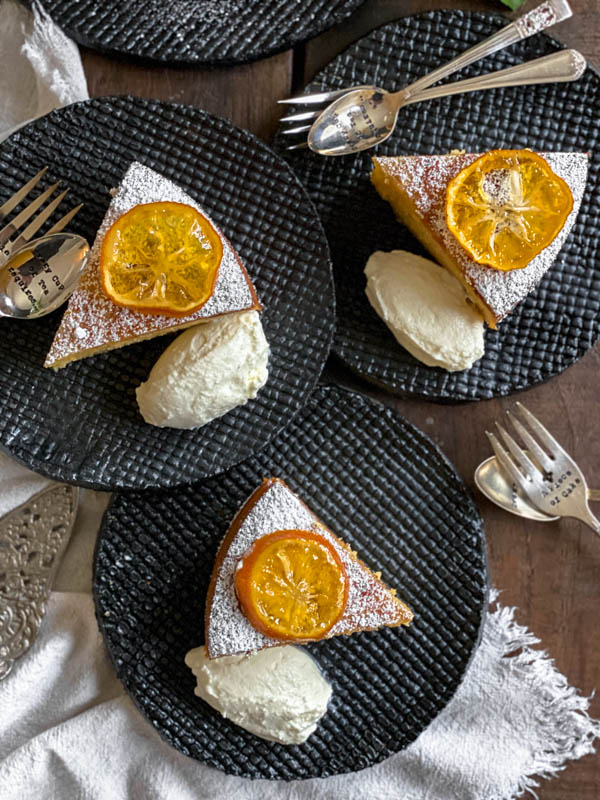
<point x="370" y="604"/>
<point x="425" y="179"/>
<point x="93" y="321"/>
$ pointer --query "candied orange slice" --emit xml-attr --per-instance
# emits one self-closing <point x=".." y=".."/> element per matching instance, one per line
<point x="161" y="258"/>
<point x="506" y="207"/>
<point x="292" y="585"/>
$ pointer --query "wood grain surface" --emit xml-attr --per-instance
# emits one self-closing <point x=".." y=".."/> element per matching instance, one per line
<point x="550" y="571"/>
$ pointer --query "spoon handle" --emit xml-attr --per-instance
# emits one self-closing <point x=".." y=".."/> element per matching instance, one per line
<point x="534" y="21"/>
<point x="566" y="65"/>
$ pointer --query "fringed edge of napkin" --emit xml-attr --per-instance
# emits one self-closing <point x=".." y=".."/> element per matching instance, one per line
<point x="562" y="717"/>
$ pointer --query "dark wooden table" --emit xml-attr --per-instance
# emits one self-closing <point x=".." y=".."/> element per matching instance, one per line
<point x="550" y="571"/>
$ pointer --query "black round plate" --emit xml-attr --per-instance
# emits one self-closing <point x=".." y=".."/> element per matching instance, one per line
<point x="216" y="32"/>
<point x="386" y="489"/>
<point x="81" y="424"/>
<point x="553" y="326"/>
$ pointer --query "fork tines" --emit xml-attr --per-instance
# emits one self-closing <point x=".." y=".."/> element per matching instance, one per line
<point x="506" y="462"/>
<point x="528" y="469"/>
<point x="545" y="473"/>
<point x="12" y="235"/>
<point x="319" y="99"/>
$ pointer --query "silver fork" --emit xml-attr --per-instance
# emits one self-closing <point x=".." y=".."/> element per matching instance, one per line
<point x="11" y="235"/>
<point x="550" y="478"/>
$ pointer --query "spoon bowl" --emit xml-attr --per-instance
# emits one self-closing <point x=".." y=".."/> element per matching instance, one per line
<point x="491" y="482"/>
<point x="38" y="277"/>
<point x="356" y="121"/>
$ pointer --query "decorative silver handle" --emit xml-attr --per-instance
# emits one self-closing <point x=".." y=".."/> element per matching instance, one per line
<point x="566" y="65"/>
<point x="534" y="21"/>
<point x="33" y="538"/>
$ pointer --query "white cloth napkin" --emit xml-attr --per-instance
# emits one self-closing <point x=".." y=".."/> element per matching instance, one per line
<point x="68" y="731"/>
<point x="40" y="68"/>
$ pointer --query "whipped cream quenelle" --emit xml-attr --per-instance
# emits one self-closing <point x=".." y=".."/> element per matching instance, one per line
<point x="426" y="309"/>
<point x="206" y="372"/>
<point x="278" y="694"/>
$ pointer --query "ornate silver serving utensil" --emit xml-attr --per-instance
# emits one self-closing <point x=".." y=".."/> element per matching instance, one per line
<point x="33" y="538"/>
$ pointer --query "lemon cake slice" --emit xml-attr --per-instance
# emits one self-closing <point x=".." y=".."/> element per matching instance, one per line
<point x="93" y="323"/>
<point x="274" y="512"/>
<point x="415" y="187"/>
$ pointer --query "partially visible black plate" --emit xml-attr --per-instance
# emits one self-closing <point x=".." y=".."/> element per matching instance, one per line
<point x="555" y="325"/>
<point x="381" y="485"/>
<point x="216" y="32"/>
<point x="81" y="424"/>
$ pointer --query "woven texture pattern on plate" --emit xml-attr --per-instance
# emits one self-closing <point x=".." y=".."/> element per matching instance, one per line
<point x="82" y="424"/>
<point x="381" y="485"/>
<point x="196" y="31"/>
<point x="553" y="326"/>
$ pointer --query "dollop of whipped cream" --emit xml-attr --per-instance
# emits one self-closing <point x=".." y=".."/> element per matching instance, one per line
<point x="426" y="309"/>
<point x="277" y="693"/>
<point x="207" y="371"/>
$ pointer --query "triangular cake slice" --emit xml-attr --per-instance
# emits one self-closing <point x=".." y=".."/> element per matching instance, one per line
<point x="415" y="187"/>
<point x="92" y="323"/>
<point x="273" y="507"/>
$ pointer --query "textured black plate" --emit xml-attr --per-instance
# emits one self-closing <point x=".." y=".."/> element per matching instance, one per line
<point x="385" y="488"/>
<point x="196" y="31"/>
<point x="82" y="424"/>
<point x="556" y="324"/>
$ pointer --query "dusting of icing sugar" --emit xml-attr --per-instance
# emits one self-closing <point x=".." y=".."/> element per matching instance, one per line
<point x="92" y="320"/>
<point x="370" y="604"/>
<point x="425" y="179"/>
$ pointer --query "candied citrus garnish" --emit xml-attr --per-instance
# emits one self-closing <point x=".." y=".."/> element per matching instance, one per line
<point x="161" y="258"/>
<point x="506" y="207"/>
<point x="292" y="585"/>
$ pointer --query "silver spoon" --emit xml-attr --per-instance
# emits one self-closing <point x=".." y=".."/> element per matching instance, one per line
<point x="366" y="117"/>
<point x="491" y="482"/>
<point x="38" y="277"/>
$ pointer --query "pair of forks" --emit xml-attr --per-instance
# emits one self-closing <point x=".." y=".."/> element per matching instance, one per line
<point x="13" y="235"/>
<point x="545" y="472"/>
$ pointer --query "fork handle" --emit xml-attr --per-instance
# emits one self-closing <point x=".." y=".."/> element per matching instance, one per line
<point x="534" y="21"/>
<point x="566" y="65"/>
